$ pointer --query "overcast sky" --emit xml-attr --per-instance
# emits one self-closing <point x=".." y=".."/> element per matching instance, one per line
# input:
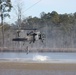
<point x="35" y="7"/>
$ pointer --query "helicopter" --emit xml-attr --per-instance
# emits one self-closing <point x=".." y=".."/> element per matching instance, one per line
<point x="31" y="36"/>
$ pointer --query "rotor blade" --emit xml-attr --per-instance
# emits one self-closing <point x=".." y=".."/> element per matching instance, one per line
<point x="19" y="39"/>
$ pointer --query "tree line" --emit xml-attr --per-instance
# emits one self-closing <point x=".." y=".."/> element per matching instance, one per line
<point x="65" y="22"/>
<point x="59" y="29"/>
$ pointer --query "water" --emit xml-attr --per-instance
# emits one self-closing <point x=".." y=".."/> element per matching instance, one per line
<point x="40" y="56"/>
<point x="55" y="57"/>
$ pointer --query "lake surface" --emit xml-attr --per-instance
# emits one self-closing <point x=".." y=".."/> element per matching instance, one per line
<point x="53" y="57"/>
<point x="40" y="56"/>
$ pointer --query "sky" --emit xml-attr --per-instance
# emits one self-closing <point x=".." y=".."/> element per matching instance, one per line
<point x="35" y="7"/>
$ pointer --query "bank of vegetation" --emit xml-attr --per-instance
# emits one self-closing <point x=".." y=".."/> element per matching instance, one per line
<point x="59" y="30"/>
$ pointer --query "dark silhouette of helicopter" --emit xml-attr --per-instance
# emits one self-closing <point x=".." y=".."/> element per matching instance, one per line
<point x="32" y="36"/>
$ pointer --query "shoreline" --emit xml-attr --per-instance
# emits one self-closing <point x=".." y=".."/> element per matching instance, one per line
<point x="21" y="51"/>
<point x="38" y="66"/>
<point x="49" y="61"/>
<point x="5" y="49"/>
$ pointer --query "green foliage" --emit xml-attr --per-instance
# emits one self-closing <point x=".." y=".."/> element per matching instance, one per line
<point x="75" y="15"/>
<point x="54" y="17"/>
<point x="64" y="22"/>
<point x="3" y="5"/>
<point x="64" y="18"/>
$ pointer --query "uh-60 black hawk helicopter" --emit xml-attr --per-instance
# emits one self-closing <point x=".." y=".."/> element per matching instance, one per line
<point x="31" y="36"/>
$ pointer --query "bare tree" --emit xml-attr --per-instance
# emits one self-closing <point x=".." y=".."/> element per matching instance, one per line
<point x="5" y="7"/>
